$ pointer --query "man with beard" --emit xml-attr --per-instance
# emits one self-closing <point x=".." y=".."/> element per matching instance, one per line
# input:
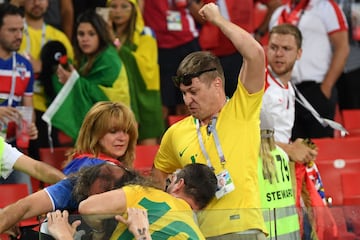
<point x="284" y="49"/>
<point x="17" y="79"/>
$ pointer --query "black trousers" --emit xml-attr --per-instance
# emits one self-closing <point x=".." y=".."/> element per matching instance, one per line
<point x="348" y="87"/>
<point x="306" y="125"/>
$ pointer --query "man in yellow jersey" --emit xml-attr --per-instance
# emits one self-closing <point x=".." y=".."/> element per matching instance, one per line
<point x="222" y="133"/>
<point x="170" y="213"/>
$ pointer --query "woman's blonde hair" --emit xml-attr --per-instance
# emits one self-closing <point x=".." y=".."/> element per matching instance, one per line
<point x="102" y="118"/>
<point x="266" y="146"/>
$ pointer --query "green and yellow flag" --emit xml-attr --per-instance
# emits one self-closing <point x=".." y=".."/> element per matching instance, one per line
<point x="106" y="81"/>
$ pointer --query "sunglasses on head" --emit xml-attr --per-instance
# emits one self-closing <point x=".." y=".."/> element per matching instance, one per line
<point x="186" y="79"/>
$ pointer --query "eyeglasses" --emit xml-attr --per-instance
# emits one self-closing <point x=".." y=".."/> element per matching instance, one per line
<point x="186" y="79"/>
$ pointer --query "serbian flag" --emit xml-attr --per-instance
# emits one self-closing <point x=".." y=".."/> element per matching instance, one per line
<point x="308" y="199"/>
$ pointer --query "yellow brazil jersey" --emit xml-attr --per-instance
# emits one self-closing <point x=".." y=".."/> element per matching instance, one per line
<point x="31" y="44"/>
<point x="238" y="129"/>
<point x="169" y="217"/>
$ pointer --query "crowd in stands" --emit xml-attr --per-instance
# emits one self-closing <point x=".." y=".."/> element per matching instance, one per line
<point x="251" y="94"/>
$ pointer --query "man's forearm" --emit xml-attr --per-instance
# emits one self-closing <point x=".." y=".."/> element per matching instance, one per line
<point x="31" y="206"/>
<point x="10" y="216"/>
<point x="341" y="51"/>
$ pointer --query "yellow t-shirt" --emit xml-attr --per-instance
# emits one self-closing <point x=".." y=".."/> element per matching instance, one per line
<point x="32" y="43"/>
<point x="238" y="130"/>
<point x="169" y="217"/>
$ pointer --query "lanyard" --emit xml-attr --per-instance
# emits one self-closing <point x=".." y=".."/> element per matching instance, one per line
<point x="305" y="103"/>
<point x="26" y="32"/>
<point x="276" y="79"/>
<point x="323" y="121"/>
<point x="211" y="128"/>
<point x="13" y="80"/>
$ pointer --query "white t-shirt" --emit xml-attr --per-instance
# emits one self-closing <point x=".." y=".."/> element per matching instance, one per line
<point x="320" y="19"/>
<point x="279" y="101"/>
<point x="8" y="157"/>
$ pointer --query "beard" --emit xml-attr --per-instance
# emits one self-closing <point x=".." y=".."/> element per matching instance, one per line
<point x="10" y="46"/>
<point x="283" y="70"/>
<point x="36" y="13"/>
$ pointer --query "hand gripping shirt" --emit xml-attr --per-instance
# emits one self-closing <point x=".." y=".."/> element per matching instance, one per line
<point x="238" y="130"/>
<point x="169" y="217"/>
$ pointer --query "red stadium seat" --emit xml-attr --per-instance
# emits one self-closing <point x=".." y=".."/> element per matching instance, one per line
<point x="175" y="118"/>
<point x="351" y="194"/>
<point x="331" y="174"/>
<point x="65" y="140"/>
<point x="54" y="157"/>
<point x="10" y="193"/>
<point x="340" y="220"/>
<point x="337" y="156"/>
<point x="4" y="237"/>
<point x="144" y="158"/>
<point x="351" y="120"/>
<point x="350" y="187"/>
<point x="337" y="148"/>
